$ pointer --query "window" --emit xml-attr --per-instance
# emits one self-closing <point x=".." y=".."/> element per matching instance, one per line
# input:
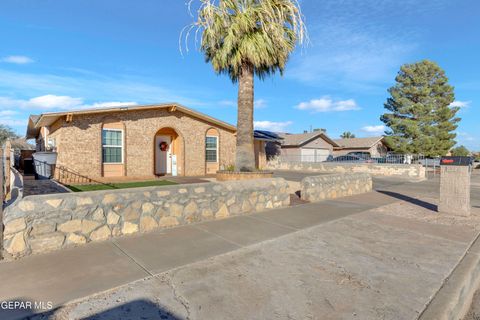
<point x="211" y="149"/>
<point x="112" y="146"/>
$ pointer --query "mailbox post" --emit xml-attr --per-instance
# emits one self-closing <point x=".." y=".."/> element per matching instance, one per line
<point x="455" y="185"/>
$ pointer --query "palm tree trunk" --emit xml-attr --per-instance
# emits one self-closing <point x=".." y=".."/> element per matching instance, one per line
<point x="245" y="157"/>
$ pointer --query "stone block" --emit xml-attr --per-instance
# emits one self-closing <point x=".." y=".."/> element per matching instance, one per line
<point x="42" y="228"/>
<point x="14" y="226"/>
<point x="147" y="208"/>
<point x="54" y="203"/>
<point x="76" y="239"/>
<point x="129" y="228"/>
<point x="222" y="212"/>
<point x="131" y="213"/>
<point x="112" y="217"/>
<point x="70" y="226"/>
<point x="83" y="201"/>
<point x="163" y="193"/>
<point x="88" y="226"/>
<point x="47" y="242"/>
<point x="98" y="215"/>
<point x="16" y="245"/>
<point x="147" y="223"/>
<point x="26" y="205"/>
<point x="109" y="198"/>
<point x="168" y="222"/>
<point x="101" y="233"/>
<point x="191" y="208"/>
<point x="176" y="210"/>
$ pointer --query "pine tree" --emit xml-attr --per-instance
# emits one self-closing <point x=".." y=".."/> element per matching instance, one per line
<point x="460" y="151"/>
<point x="420" y="118"/>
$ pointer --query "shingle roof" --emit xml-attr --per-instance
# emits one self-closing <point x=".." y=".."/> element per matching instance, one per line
<point x="302" y="138"/>
<point x="46" y="119"/>
<point x="358" y="142"/>
<point x="21" y="144"/>
<point x="266" y="136"/>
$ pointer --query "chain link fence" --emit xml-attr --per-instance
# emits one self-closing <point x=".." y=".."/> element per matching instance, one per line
<point x="362" y="157"/>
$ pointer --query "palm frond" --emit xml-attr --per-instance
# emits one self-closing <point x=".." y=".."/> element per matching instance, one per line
<point x="261" y="33"/>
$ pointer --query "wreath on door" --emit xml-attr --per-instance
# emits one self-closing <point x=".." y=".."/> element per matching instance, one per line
<point x="163" y="146"/>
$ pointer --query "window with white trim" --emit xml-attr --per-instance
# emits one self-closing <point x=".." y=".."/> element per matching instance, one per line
<point x="211" y="149"/>
<point x="112" y="146"/>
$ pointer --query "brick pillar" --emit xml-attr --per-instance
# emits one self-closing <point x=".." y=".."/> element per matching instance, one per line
<point x="455" y="190"/>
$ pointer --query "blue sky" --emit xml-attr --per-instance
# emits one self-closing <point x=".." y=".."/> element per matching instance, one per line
<point x="60" y="55"/>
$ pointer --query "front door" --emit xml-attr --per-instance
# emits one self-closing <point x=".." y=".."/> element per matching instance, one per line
<point x="163" y="161"/>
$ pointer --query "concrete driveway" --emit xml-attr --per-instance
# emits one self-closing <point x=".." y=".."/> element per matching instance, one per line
<point x="383" y="263"/>
<point x="370" y="256"/>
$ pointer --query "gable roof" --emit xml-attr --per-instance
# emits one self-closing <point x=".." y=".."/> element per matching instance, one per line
<point x="299" y="139"/>
<point x="358" y="142"/>
<point x="35" y="122"/>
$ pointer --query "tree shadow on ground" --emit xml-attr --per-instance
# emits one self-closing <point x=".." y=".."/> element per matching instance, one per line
<point x="141" y="309"/>
<point x="415" y="201"/>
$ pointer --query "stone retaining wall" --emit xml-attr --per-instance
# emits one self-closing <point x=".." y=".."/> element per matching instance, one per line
<point x="333" y="186"/>
<point x="41" y="223"/>
<point x="408" y="171"/>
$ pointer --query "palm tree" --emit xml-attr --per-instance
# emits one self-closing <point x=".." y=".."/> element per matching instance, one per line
<point x="347" y="135"/>
<point x="244" y="38"/>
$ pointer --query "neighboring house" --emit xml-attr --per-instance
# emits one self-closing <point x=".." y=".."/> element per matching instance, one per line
<point x="375" y="145"/>
<point x="137" y="141"/>
<point x="264" y="142"/>
<point x="305" y="147"/>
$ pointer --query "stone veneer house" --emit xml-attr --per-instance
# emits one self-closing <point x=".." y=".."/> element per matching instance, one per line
<point x="137" y="141"/>
<point x="375" y="145"/>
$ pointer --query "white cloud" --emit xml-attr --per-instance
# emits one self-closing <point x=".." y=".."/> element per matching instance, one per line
<point x="7" y="113"/>
<point x="227" y="103"/>
<point x="13" y="122"/>
<point x="107" y="105"/>
<point x="17" y="59"/>
<point x="260" y="103"/>
<point x="271" y="125"/>
<point x="374" y="130"/>
<point x="326" y="104"/>
<point x="101" y="88"/>
<point x="460" y="104"/>
<point x="52" y="102"/>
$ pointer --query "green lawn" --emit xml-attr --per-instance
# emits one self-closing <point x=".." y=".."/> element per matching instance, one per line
<point x="124" y="185"/>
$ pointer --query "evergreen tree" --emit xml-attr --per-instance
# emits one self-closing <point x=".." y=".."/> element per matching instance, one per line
<point x="6" y="133"/>
<point x="460" y="151"/>
<point x="347" y="135"/>
<point x="420" y="118"/>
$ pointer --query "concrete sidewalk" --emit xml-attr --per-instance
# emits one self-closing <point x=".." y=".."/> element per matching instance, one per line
<point x="70" y="274"/>
<point x="388" y="262"/>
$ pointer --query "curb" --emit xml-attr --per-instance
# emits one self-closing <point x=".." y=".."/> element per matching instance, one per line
<point x="452" y="301"/>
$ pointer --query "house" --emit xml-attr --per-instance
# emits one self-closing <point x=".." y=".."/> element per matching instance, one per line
<point x="375" y="145"/>
<point x="137" y="141"/>
<point x="313" y="146"/>
<point x="262" y="140"/>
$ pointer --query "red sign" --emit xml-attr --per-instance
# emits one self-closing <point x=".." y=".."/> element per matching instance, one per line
<point x="447" y="161"/>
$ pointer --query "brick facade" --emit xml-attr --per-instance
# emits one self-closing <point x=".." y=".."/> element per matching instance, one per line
<point x="79" y="144"/>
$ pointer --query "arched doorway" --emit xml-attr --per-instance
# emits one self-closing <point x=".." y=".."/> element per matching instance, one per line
<point x="168" y="153"/>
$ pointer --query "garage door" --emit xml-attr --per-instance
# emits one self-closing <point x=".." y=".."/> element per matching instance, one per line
<point x="314" y="155"/>
<point x="321" y="155"/>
